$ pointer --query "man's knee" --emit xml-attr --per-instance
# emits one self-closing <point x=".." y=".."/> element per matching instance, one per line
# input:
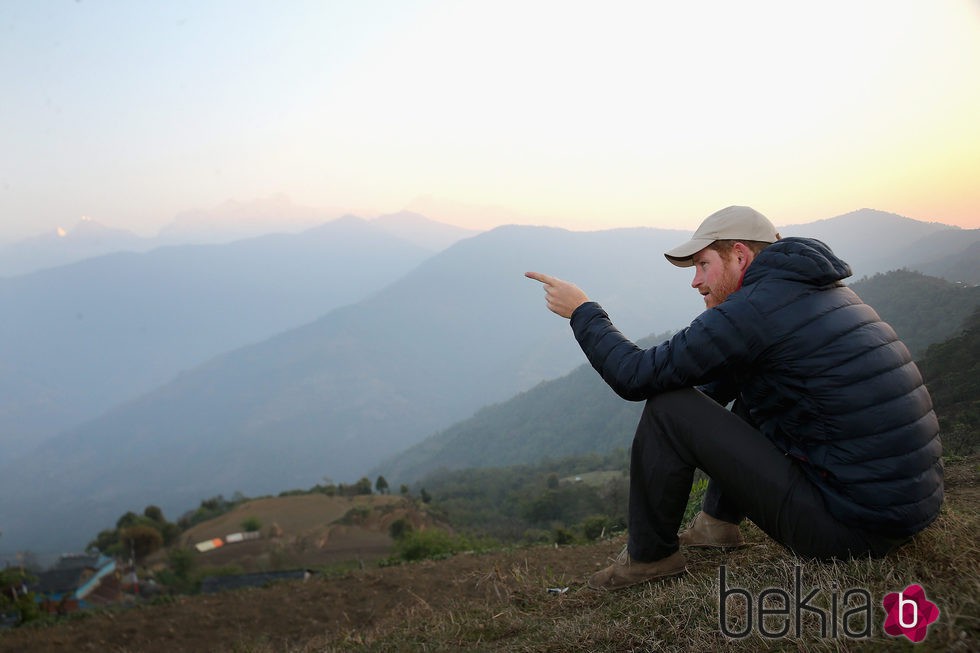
<point x="667" y="413"/>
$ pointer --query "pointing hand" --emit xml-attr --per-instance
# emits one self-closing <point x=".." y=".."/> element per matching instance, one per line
<point x="562" y="297"/>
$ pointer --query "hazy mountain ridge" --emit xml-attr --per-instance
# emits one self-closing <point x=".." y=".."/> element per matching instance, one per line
<point x="462" y="330"/>
<point x="418" y="229"/>
<point x="875" y="241"/>
<point x="237" y="220"/>
<point x="86" y="239"/>
<point x="81" y="338"/>
<point x="961" y="262"/>
<point x="226" y="223"/>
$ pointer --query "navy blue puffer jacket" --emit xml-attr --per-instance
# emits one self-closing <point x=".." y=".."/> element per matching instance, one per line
<point x="822" y="376"/>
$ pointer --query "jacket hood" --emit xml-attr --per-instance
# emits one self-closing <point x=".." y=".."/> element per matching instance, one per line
<point x="803" y="260"/>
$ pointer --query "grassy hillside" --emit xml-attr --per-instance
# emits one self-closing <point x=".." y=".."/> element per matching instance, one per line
<point x="923" y="310"/>
<point x="516" y="600"/>
<point x="573" y="415"/>
<point x="306" y="530"/>
<point x="952" y="372"/>
<point x="314" y="529"/>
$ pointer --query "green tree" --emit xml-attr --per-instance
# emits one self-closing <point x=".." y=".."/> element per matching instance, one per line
<point x="593" y="527"/>
<point x="399" y="529"/>
<point x="106" y="542"/>
<point x="154" y="513"/>
<point x="14" y="596"/>
<point x="381" y="485"/>
<point x="141" y="539"/>
<point x="563" y="536"/>
<point x="111" y="542"/>
<point x="128" y="519"/>
<point x="169" y="531"/>
<point x="181" y="562"/>
<point x="363" y="486"/>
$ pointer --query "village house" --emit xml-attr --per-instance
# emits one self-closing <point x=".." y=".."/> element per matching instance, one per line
<point x="78" y="581"/>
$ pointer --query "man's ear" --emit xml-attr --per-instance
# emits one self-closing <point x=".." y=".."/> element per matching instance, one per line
<point x="743" y="255"/>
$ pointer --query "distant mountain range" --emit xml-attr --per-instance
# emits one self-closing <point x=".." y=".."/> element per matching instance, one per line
<point x="226" y="223"/>
<point x="81" y="338"/>
<point x="875" y="241"/>
<point x="350" y="389"/>
<point x="61" y="246"/>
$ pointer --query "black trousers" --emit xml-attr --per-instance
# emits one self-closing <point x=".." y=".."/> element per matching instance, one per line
<point x="684" y="430"/>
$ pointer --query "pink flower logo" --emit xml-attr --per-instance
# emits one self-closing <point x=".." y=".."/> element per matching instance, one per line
<point x="909" y="613"/>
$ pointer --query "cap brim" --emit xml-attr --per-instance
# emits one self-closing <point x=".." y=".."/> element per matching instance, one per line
<point x="681" y="255"/>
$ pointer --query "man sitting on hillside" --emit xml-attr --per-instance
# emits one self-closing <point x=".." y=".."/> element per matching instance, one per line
<point x="831" y="446"/>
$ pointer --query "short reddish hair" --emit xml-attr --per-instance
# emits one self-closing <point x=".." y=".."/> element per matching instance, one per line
<point x="724" y="247"/>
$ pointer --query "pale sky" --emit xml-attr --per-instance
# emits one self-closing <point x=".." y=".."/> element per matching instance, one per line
<point x="584" y="115"/>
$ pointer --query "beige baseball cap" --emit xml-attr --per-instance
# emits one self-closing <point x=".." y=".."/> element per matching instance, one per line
<point x="731" y="223"/>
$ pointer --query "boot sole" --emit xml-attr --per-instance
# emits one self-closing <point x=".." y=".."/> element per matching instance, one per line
<point x="652" y="579"/>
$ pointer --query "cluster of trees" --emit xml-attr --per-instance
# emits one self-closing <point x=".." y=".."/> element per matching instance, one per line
<point x="575" y="499"/>
<point x="209" y="509"/>
<point x="137" y="535"/>
<point x="361" y="487"/>
<point x="551" y="501"/>
<point x="951" y="371"/>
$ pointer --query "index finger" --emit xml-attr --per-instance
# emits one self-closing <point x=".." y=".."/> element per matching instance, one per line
<point x="543" y="278"/>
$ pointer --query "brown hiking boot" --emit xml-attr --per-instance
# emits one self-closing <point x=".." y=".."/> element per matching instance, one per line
<point x="625" y="571"/>
<point x="706" y="531"/>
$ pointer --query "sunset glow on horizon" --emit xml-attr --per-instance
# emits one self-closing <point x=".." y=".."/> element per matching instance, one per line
<point x="557" y="113"/>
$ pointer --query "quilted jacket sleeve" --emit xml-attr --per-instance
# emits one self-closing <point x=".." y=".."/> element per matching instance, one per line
<point x="701" y="354"/>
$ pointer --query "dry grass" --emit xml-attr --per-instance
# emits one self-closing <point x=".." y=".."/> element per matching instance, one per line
<point x="515" y="611"/>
